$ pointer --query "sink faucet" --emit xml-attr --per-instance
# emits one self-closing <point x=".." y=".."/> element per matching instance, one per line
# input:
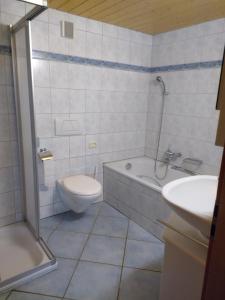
<point x="170" y="156"/>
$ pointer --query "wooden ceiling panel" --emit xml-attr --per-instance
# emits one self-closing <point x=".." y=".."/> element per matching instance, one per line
<point x="149" y="16"/>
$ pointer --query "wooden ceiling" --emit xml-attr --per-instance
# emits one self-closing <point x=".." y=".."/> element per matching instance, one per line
<point x="149" y="16"/>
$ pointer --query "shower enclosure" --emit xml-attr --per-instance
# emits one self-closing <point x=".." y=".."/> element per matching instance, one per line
<point x="23" y="253"/>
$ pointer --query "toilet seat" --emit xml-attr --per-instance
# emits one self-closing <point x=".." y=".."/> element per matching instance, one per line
<point x="82" y="185"/>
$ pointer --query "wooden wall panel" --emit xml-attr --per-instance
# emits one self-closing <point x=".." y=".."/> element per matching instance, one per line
<point x="220" y="138"/>
<point x="149" y="16"/>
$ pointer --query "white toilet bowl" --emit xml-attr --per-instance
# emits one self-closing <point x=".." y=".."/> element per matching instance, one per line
<point x="79" y="192"/>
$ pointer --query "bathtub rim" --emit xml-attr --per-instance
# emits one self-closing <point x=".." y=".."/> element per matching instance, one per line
<point x="131" y="175"/>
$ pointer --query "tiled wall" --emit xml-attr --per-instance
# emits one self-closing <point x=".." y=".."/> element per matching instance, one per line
<point x="190" y="119"/>
<point x="110" y="104"/>
<point x="10" y="196"/>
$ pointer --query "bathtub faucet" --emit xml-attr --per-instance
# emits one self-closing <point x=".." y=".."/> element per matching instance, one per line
<point x="170" y="156"/>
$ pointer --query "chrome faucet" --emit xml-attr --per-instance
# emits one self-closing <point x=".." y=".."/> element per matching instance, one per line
<point x="171" y="156"/>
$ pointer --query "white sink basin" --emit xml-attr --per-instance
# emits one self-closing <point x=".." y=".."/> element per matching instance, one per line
<point x="193" y="199"/>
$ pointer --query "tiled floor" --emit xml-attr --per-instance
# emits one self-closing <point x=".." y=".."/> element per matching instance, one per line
<point x="102" y="255"/>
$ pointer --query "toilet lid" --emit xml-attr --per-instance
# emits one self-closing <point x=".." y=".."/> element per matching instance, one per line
<point x="82" y="185"/>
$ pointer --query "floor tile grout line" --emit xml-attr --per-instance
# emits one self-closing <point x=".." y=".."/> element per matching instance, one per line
<point x="53" y="230"/>
<point x="91" y="232"/>
<point x="110" y="236"/>
<point x="78" y="260"/>
<point x="108" y="264"/>
<point x="134" y="221"/>
<point x="121" y="272"/>
<point x="32" y="293"/>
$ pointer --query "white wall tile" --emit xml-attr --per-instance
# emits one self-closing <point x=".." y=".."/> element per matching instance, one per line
<point x="79" y="22"/>
<point x="77" y="165"/>
<point x="13" y="7"/>
<point x="57" y="43"/>
<point x="44" y="125"/>
<point x="76" y="101"/>
<point x="77" y="146"/>
<point x="109" y="48"/>
<point x="94" y="45"/>
<point x="123" y="52"/>
<point x="6" y="154"/>
<point x="77" y="45"/>
<point x="6" y="180"/>
<point x="42" y="100"/>
<point x="59" y="77"/>
<point x="109" y="30"/>
<point x="3" y="100"/>
<point x="60" y="147"/>
<point x="94" y="26"/>
<point x="41" y="73"/>
<point x="77" y="76"/>
<point x="40" y="33"/>
<point x="4" y="128"/>
<point x="7" y="204"/>
<point x="60" y="101"/>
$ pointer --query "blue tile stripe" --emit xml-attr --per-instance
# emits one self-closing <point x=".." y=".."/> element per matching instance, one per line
<point x="43" y="55"/>
<point x="189" y="66"/>
<point x="120" y="66"/>
<point x="87" y="61"/>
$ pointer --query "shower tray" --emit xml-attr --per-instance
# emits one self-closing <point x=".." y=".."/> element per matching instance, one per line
<point x="22" y="257"/>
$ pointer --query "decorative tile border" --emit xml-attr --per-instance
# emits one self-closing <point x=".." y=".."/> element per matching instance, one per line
<point x="120" y="66"/>
<point x="37" y="54"/>
<point x="87" y="61"/>
<point x="190" y="66"/>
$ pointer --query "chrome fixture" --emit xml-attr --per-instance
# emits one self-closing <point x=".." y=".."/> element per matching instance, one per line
<point x="195" y="162"/>
<point x="45" y="154"/>
<point x="160" y="80"/>
<point x="171" y="156"/>
<point x="179" y="168"/>
<point x="189" y="165"/>
<point x="128" y="166"/>
<point x="164" y="93"/>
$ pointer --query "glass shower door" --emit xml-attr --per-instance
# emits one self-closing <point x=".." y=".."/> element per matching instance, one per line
<point x="23" y="81"/>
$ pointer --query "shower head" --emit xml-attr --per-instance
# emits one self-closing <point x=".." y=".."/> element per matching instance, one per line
<point x="160" y="80"/>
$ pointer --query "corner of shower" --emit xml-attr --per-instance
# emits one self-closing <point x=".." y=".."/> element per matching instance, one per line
<point x="24" y="255"/>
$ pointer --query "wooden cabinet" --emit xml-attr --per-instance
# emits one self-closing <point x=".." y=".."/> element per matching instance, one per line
<point x="220" y="138"/>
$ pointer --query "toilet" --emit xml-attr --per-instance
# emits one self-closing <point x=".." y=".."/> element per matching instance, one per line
<point x="79" y="192"/>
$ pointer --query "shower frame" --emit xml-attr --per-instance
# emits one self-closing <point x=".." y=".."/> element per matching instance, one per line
<point x="24" y="25"/>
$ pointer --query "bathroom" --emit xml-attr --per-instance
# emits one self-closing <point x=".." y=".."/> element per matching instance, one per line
<point x="117" y="110"/>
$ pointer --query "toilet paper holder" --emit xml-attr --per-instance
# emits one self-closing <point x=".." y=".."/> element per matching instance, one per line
<point x="45" y="154"/>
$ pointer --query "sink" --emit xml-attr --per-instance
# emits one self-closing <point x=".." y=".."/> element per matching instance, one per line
<point x="193" y="199"/>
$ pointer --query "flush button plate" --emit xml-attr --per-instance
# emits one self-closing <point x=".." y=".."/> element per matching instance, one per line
<point x="68" y="127"/>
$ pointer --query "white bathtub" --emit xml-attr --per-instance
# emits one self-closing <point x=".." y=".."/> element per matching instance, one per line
<point x="136" y="192"/>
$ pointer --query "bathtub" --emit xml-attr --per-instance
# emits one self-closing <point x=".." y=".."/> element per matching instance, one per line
<point x="131" y="187"/>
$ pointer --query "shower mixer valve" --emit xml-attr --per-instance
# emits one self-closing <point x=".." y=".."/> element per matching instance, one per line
<point x="171" y="156"/>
